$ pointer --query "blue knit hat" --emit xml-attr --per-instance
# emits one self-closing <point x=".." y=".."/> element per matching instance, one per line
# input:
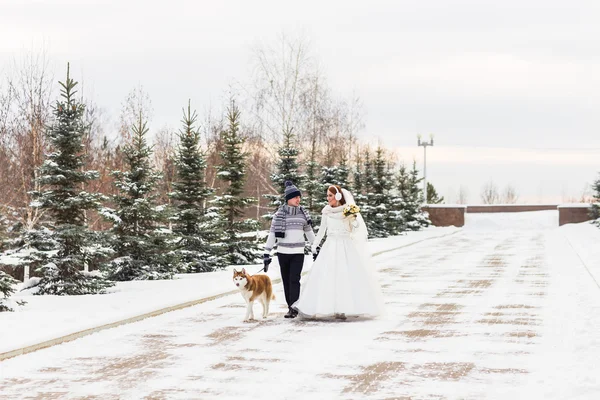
<point x="291" y="191"/>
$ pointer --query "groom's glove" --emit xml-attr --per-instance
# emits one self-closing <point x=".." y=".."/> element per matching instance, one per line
<point x="267" y="260"/>
<point x="316" y="253"/>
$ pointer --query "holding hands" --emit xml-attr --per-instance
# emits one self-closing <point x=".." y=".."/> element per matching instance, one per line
<point x="316" y="252"/>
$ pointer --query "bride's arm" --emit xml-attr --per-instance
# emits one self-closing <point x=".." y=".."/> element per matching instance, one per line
<point x="321" y="233"/>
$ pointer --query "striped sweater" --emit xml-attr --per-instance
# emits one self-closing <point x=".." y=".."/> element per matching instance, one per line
<point x="296" y="227"/>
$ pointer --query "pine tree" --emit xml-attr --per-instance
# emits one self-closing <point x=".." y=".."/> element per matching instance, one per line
<point x="239" y="246"/>
<point x="595" y="211"/>
<point x="195" y="231"/>
<point x="358" y="179"/>
<point x="286" y="170"/>
<point x="7" y="288"/>
<point x="342" y="173"/>
<point x="396" y="223"/>
<point x="336" y="175"/>
<point x="412" y="198"/>
<point x="315" y="197"/>
<point x="366" y="198"/>
<point x="432" y="195"/>
<point x="62" y="176"/>
<point x="378" y="221"/>
<point x="140" y="241"/>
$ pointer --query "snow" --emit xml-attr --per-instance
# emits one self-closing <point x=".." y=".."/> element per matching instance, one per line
<point x="446" y="206"/>
<point x="506" y="308"/>
<point x="48" y="317"/>
<point x="575" y="205"/>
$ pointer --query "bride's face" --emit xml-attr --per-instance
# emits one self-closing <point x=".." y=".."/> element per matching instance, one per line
<point x="331" y="199"/>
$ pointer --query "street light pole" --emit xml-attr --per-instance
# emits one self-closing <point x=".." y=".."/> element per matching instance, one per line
<point x="425" y="144"/>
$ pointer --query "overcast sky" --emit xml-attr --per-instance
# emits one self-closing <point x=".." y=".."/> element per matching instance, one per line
<point x="510" y="89"/>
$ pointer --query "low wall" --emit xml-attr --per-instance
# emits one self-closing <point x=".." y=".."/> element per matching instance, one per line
<point x="503" y="208"/>
<point x="454" y="215"/>
<point x="573" y="214"/>
<point x="446" y="215"/>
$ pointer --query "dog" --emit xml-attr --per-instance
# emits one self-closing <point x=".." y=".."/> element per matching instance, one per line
<point x="257" y="287"/>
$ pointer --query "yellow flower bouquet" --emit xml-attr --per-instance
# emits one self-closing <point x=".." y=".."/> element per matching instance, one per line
<point x="351" y="210"/>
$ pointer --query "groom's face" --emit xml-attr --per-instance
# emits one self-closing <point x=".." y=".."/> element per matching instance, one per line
<point x="294" y="202"/>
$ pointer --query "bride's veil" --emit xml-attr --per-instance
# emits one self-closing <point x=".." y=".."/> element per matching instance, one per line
<point x="361" y="231"/>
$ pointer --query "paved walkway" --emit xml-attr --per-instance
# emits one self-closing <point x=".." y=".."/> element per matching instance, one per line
<point x="469" y="316"/>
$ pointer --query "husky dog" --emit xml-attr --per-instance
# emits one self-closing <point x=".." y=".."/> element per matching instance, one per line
<point x="257" y="287"/>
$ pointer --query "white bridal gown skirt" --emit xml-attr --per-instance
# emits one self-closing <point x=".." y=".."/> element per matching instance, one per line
<point x="342" y="281"/>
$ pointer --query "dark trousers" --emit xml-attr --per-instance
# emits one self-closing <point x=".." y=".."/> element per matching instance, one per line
<point x="291" y="270"/>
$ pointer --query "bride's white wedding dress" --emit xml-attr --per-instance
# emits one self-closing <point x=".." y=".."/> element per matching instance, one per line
<point x="342" y="280"/>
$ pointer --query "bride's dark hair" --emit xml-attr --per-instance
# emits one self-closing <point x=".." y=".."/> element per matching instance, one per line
<point x="331" y="190"/>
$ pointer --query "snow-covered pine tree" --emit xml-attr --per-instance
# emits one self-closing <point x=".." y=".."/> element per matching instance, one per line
<point x="358" y="179"/>
<point x="62" y="175"/>
<point x="367" y="182"/>
<point x="141" y="245"/>
<point x="239" y="243"/>
<point x="395" y="217"/>
<point x="595" y="211"/>
<point x="378" y="221"/>
<point x="7" y="288"/>
<point x="286" y="170"/>
<point x="195" y="232"/>
<point x="314" y="196"/>
<point x="408" y="183"/>
<point x="342" y="173"/>
<point x="336" y="175"/>
<point x="432" y="195"/>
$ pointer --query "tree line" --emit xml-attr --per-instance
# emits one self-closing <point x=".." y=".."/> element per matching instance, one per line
<point x="80" y="210"/>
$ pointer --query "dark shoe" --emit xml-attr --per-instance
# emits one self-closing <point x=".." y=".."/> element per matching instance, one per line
<point x="290" y="314"/>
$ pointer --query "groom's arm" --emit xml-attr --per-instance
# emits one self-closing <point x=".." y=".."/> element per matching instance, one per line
<point x="271" y="239"/>
<point x="310" y="235"/>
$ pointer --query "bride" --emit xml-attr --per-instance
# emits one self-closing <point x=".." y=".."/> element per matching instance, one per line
<point x="342" y="281"/>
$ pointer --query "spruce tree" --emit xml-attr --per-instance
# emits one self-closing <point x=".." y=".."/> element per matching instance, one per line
<point x="396" y="223"/>
<point x="195" y="232"/>
<point x="287" y="169"/>
<point x="595" y="211"/>
<point x="140" y="241"/>
<point x="7" y="283"/>
<point x="240" y="248"/>
<point x="379" y="198"/>
<point x="367" y="183"/>
<point x="408" y="184"/>
<point x="432" y="195"/>
<point x="358" y="179"/>
<point x="62" y="175"/>
<point x="336" y="175"/>
<point x="314" y="197"/>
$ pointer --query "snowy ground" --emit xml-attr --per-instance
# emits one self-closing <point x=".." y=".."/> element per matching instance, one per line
<point x="507" y="308"/>
<point x="48" y="317"/>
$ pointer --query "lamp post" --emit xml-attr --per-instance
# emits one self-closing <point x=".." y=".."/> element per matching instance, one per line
<point x="425" y="144"/>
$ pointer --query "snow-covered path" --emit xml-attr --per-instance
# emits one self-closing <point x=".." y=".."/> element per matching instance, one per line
<point x="485" y="313"/>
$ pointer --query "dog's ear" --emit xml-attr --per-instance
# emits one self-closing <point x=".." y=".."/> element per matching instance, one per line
<point x="244" y="271"/>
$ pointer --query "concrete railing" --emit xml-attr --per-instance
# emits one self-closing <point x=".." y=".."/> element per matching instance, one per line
<point x="454" y="215"/>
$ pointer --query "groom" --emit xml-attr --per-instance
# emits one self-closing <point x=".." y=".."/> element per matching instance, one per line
<point x="288" y="228"/>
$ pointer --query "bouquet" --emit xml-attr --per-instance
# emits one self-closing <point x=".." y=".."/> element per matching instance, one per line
<point x="351" y="210"/>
